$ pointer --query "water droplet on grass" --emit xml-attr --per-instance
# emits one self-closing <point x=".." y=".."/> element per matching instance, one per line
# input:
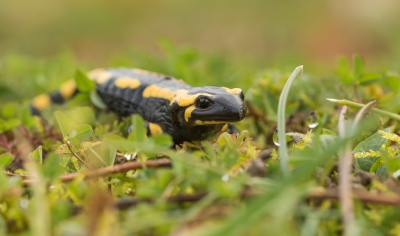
<point x="313" y="119"/>
<point x="24" y="203"/>
<point x="275" y="138"/>
<point x="225" y="177"/>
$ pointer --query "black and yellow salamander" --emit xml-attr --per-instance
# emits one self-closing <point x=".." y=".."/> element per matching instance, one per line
<point x="168" y="105"/>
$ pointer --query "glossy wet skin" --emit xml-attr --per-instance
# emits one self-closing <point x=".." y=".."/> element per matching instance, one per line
<point x="210" y="110"/>
<point x="168" y="105"/>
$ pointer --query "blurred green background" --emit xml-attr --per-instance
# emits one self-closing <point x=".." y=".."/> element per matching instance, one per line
<point x="279" y="34"/>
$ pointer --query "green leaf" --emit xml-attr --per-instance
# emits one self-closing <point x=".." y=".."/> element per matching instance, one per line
<point x="8" y="111"/>
<point x="80" y="132"/>
<point x="9" y="124"/>
<point x="394" y="82"/>
<point x="52" y="167"/>
<point x="393" y="165"/>
<point x="148" y="146"/>
<point x="138" y="132"/>
<point x="26" y="118"/>
<point x="94" y="155"/>
<point x="120" y="143"/>
<point x="369" y="78"/>
<point x="83" y="83"/>
<point x="3" y="183"/>
<point x="63" y="122"/>
<point x="81" y="99"/>
<point x="97" y="101"/>
<point x="374" y="143"/>
<point x="382" y="172"/>
<point x="328" y="132"/>
<point x="161" y="140"/>
<point x="395" y="104"/>
<point x="365" y="163"/>
<point x="37" y="155"/>
<point x="6" y="159"/>
<point x="108" y="153"/>
<point x="376" y="165"/>
<point x="82" y="115"/>
<point x="225" y="139"/>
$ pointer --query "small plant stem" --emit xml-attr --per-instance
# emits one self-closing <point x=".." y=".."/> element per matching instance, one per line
<point x="76" y="155"/>
<point x="345" y="169"/>
<point x="342" y="122"/>
<point x="345" y="192"/>
<point x="371" y="198"/>
<point x="361" y="113"/>
<point x="110" y="170"/>
<point x="39" y="208"/>
<point x="8" y="174"/>
<point x="360" y="105"/>
<point x="283" y="156"/>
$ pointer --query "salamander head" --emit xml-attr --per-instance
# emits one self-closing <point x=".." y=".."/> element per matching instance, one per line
<point x="206" y="109"/>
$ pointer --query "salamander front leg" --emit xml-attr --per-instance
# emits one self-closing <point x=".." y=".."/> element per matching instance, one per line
<point x="230" y="129"/>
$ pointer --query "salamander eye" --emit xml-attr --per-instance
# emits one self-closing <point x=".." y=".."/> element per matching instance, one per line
<point x="203" y="103"/>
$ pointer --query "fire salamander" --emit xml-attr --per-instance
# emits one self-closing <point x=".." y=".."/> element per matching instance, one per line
<point x="166" y="104"/>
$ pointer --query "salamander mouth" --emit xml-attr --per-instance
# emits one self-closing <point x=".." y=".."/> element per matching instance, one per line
<point x="227" y="117"/>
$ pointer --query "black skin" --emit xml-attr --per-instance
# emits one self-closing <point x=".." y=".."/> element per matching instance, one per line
<point x="222" y="107"/>
<point x="217" y="108"/>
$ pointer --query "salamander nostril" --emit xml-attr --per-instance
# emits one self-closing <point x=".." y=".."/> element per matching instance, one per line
<point x="225" y="108"/>
<point x="242" y="112"/>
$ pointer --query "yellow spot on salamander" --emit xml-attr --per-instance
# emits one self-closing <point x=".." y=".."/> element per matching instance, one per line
<point x="68" y="89"/>
<point x="209" y="122"/>
<point x="155" y="129"/>
<point x="234" y="91"/>
<point x="141" y="71"/>
<point x="158" y="92"/>
<point x="180" y="96"/>
<point x="188" y="112"/>
<point x="41" y="101"/>
<point x="99" y="76"/>
<point x="185" y="99"/>
<point x="127" y="82"/>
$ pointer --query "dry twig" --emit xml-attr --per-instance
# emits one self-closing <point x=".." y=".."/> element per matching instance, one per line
<point x="110" y="170"/>
<point x="345" y="193"/>
<point x="365" y="197"/>
<point x="345" y="169"/>
<point x="76" y="155"/>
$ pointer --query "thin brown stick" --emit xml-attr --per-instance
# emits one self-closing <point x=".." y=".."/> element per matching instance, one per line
<point x="111" y="170"/>
<point x="345" y="169"/>
<point x="17" y="175"/>
<point x="76" y="155"/>
<point x="361" y="113"/>
<point x="345" y="193"/>
<point x="366" y="197"/>
<point x="342" y="122"/>
<point x="126" y="203"/>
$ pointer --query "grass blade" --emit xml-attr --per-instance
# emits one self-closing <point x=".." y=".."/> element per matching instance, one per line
<point x="282" y="121"/>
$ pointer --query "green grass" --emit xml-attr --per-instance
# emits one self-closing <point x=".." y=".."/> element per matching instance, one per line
<point x="225" y="198"/>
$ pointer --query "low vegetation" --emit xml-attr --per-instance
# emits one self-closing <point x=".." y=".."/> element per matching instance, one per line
<point x="76" y="171"/>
